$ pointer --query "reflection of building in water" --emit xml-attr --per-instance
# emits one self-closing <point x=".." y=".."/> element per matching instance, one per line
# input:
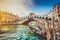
<point x="6" y="17"/>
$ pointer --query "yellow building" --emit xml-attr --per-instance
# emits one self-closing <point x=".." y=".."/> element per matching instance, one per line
<point x="5" y="17"/>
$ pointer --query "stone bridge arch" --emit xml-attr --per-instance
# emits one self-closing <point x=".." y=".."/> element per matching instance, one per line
<point x="42" y="23"/>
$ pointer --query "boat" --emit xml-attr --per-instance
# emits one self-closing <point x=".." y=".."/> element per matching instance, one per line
<point x="38" y="34"/>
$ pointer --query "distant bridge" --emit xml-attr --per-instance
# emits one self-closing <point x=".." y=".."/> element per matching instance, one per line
<point x="33" y="17"/>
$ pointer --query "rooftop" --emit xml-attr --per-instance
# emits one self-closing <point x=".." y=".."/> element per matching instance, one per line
<point x="57" y="4"/>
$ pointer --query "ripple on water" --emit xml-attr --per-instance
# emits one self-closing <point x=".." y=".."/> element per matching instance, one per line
<point x="22" y="33"/>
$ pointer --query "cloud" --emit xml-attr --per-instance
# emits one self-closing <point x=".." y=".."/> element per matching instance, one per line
<point x="19" y="7"/>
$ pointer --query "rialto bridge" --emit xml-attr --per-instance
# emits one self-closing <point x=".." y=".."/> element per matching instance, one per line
<point x="42" y="20"/>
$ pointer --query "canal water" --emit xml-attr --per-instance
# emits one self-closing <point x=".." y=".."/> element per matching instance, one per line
<point x="18" y="32"/>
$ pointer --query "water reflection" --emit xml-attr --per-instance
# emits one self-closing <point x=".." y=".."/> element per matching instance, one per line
<point x="17" y="32"/>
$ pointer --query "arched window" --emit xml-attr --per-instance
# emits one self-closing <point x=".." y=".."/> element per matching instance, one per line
<point x="58" y="7"/>
<point x="37" y="17"/>
<point x="46" y="18"/>
<point x="59" y="15"/>
<point x="50" y="19"/>
<point x="58" y="11"/>
<point x="42" y="17"/>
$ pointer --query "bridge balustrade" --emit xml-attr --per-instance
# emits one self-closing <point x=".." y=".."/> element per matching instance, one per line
<point x="46" y="18"/>
<point x="34" y="16"/>
<point x="42" y="17"/>
<point x="39" y="17"/>
<point x="31" y="16"/>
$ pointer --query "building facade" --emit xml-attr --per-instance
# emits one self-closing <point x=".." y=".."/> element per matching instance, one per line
<point x="55" y="13"/>
<point x="6" y="17"/>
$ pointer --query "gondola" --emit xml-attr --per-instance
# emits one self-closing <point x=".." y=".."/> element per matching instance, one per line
<point x="37" y="33"/>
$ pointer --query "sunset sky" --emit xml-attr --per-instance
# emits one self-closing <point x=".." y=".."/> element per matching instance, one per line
<point x="24" y="7"/>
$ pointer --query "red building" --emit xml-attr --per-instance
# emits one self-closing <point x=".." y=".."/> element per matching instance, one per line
<point x="57" y="8"/>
